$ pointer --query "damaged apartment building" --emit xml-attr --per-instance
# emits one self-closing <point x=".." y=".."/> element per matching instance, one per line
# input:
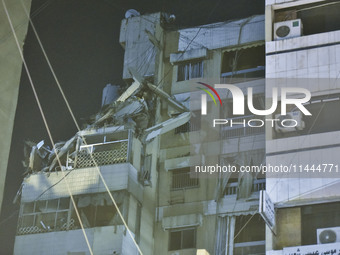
<point x="141" y="146"/>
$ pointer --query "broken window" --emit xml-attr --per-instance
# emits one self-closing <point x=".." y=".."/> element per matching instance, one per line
<point x="182" y="239"/>
<point x="315" y="18"/>
<point x="146" y="169"/>
<point x="194" y="124"/>
<point x="97" y="210"/>
<point x="317" y="217"/>
<point x="249" y="235"/>
<point x="181" y="178"/>
<point x="243" y="63"/>
<point x="45" y="215"/>
<point x="190" y="70"/>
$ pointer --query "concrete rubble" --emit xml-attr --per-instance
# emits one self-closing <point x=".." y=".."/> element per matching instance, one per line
<point x="131" y="110"/>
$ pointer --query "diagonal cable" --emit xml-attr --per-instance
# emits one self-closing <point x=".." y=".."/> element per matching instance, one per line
<point x="74" y="119"/>
<point x="44" y="119"/>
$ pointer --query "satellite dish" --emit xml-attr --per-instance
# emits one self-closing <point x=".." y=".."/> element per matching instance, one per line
<point x="131" y="13"/>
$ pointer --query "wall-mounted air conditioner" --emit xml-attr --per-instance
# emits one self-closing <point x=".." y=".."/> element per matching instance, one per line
<point x="328" y="235"/>
<point x="290" y="122"/>
<point x="287" y="29"/>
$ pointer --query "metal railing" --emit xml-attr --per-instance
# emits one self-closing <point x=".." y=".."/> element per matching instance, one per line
<point x="103" y="154"/>
<point x="239" y="130"/>
<point x="258" y="185"/>
<point x="183" y="180"/>
<point x="243" y="75"/>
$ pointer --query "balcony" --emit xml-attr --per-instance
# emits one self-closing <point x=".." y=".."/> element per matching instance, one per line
<point x="103" y="154"/>
<point x="104" y="148"/>
<point x="73" y="242"/>
<point x="258" y="185"/>
<point x="123" y="176"/>
<point x="243" y="75"/>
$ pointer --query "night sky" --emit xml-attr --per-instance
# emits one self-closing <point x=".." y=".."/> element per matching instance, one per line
<point x="81" y="40"/>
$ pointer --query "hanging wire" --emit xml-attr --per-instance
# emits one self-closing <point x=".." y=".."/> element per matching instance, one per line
<point x="45" y="122"/>
<point x="83" y="139"/>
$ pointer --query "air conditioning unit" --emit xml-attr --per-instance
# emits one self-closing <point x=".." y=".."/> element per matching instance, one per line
<point x="285" y="122"/>
<point x="287" y="29"/>
<point x="328" y="235"/>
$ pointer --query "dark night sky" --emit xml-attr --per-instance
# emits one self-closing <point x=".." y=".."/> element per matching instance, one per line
<point x="81" y="40"/>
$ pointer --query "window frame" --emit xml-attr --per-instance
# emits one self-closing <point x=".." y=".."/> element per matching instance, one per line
<point x="188" y="70"/>
<point x="194" y="183"/>
<point x="181" y="244"/>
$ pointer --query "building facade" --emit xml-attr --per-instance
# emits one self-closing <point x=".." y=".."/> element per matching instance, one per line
<point x="307" y="204"/>
<point x="128" y="179"/>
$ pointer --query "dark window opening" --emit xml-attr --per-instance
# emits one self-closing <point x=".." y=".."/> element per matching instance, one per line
<point x="182" y="178"/>
<point x="250" y="235"/>
<point x="190" y="70"/>
<point x="97" y="210"/>
<point x="243" y="63"/>
<point x="318" y="216"/>
<point x="325" y="116"/>
<point x="316" y="18"/>
<point x="182" y="239"/>
<point x="194" y="124"/>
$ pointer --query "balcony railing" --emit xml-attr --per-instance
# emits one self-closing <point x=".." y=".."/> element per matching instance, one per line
<point x="243" y="75"/>
<point x="239" y="130"/>
<point x="183" y="180"/>
<point x="258" y="185"/>
<point x="103" y="154"/>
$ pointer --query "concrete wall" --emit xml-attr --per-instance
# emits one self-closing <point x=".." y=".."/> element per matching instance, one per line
<point x="288" y="228"/>
<point x="320" y="62"/>
<point x="81" y="181"/>
<point x="10" y="72"/>
<point x="284" y="187"/>
<point x="139" y="50"/>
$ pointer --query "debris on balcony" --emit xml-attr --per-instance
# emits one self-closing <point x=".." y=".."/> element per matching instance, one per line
<point x="132" y="110"/>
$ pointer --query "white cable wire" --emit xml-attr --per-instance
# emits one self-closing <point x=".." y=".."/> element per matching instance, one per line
<point x="44" y="119"/>
<point x="71" y="112"/>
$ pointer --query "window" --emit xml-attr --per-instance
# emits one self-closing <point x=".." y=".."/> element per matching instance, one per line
<point x="228" y="131"/>
<point x="324" y="118"/>
<point x="316" y="17"/>
<point x="59" y="215"/>
<point x="97" y="210"/>
<point x="193" y="125"/>
<point x="250" y="231"/>
<point x="146" y="170"/>
<point x="243" y="63"/>
<point x="190" y="70"/>
<point x="45" y="215"/>
<point x="182" y="239"/>
<point x="181" y="178"/>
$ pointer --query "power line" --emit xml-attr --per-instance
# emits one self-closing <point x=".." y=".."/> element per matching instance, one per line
<point x="44" y="119"/>
<point x="74" y="120"/>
